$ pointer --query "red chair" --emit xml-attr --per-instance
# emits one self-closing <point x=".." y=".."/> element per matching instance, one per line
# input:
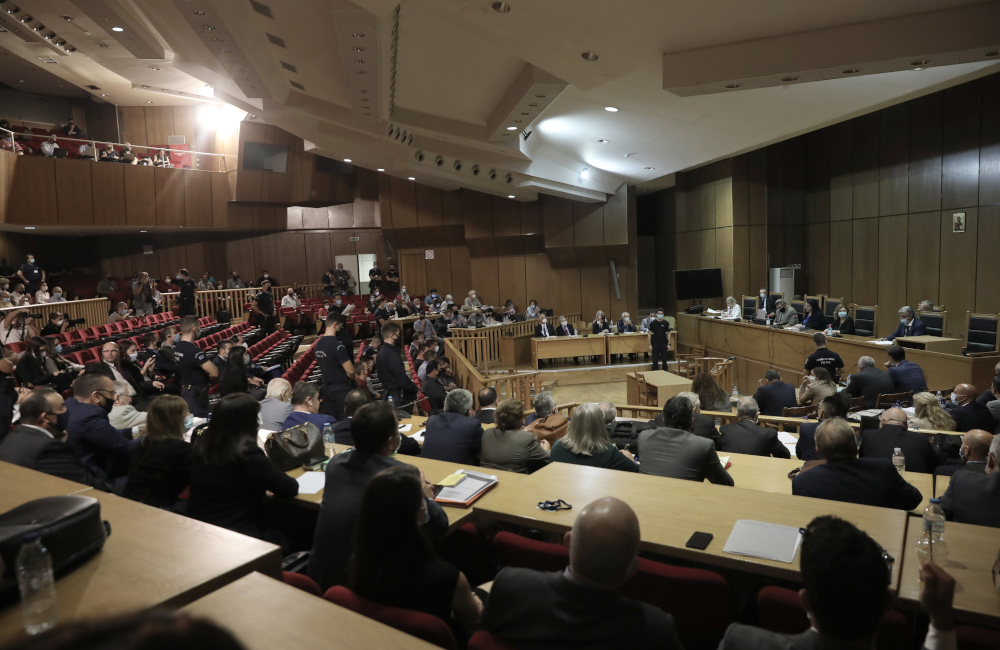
<point x="515" y="550"/>
<point x="299" y="581"/>
<point x="16" y="346"/>
<point x="483" y="640"/>
<point x="699" y="600"/>
<point x="90" y="355"/>
<point x="419" y="624"/>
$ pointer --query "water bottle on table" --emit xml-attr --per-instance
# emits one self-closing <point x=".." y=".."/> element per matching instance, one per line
<point x="328" y="433"/>
<point x="736" y="392"/>
<point x="37" y="585"/>
<point x="931" y="546"/>
<point x="899" y="461"/>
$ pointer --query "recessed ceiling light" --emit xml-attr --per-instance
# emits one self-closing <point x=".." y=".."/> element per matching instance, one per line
<point x="380" y="170"/>
<point x="218" y="40"/>
<point x="360" y="61"/>
<point x="588" y="56"/>
<point x="142" y="231"/>
<point x="539" y="97"/>
<point x="412" y="178"/>
<point x="198" y="13"/>
<point x="104" y="94"/>
<point x="153" y="67"/>
<point x="118" y="29"/>
<point x="920" y="62"/>
<point x="611" y="109"/>
<point x="358" y="35"/>
<point x="358" y="49"/>
<point x="734" y="86"/>
<point x="149" y="102"/>
<point x="103" y="45"/>
<point x="603" y="141"/>
<point x="39" y="27"/>
<point x="347" y="160"/>
<point x="532" y="105"/>
<point x="790" y="79"/>
<point x="525" y="113"/>
<point x="361" y="72"/>
<point x="68" y="19"/>
<point x="29" y="227"/>
<point x="649" y="168"/>
<point x="585" y="173"/>
<point x="851" y="71"/>
<point x="27" y="18"/>
<point x="510" y="196"/>
<point x="500" y="7"/>
<point x="208" y="27"/>
<point x="916" y="69"/>
<point x="512" y="128"/>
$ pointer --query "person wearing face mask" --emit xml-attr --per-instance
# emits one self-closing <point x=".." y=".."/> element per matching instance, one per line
<point x="974" y="453"/>
<point x="909" y="325"/>
<point x="376" y="441"/>
<point x="290" y="300"/>
<point x="106" y="287"/>
<point x="968" y="413"/>
<point x="305" y="407"/>
<point x="404" y="295"/>
<point x="31" y="274"/>
<point x="57" y="295"/>
<point x="142" y="295"/>
<point x="185" y="299"/>
<point x="843" y="322"/>
<point x="161" y="465"/>
<point x="262" y="309"/>
<point x="121" y="312"/>
<point x="392" y="279"/>
<point x="194" y="370"/>
<point x="58" y="366"/>
<point x="766" y="301"/>
<point x="659" y="342"/>
<point x="58" y="323"/>
<point x="374" y="279"/>
<point x="123" y="415"/>
<point x="382" y="312"/>
<point x="391" y="372"/>
<point x="337" y="367"/>
<point x="103" y="449"/>
<point x="38" y="441"/>
<point x="234" y="379"/>
<point x="342" y="279"/>
<point x="235" y="282"/>
<point x="472" y="301"/>
<point x="264" y="275"/>
<point x="31" y="372"/>
<point x="783" y="315"/>
<point x="42" y="296"/>
<point x="431" y="297"/>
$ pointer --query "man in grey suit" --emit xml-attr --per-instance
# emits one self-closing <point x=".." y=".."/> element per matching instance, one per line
<point x="745" y="436"/>
<point x="973" y="498"/>
<point x="845" y="594"/>
<point x="673" y="451"/>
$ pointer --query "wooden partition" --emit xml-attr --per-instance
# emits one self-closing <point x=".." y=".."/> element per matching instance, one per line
<point x="522" y="385"/>
<point x="95" y="311"/>
<point x="486" y="350"/>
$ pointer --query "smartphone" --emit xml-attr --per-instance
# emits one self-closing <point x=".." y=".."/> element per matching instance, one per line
<point x="699" y="541"/>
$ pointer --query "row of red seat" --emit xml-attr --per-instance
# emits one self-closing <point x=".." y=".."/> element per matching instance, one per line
<point x="209" y="342"/>
<point x="303" y="366"/>
<point x="98" y="334"/>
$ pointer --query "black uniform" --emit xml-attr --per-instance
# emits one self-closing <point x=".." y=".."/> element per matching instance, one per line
<point x="374" y="280"/>
<point x="194" y="380"/>
<point x="185" y="301"/>
<point x="33" y="275"/>
<point x="658" y="339"/>
<point x="392" y="375"/>
<point x="265" y="303"/>
<point x="392" y="280"/>
<point x="825" y="358"/>
<point x="328" y="288"/>
<point x="331" y="353"/>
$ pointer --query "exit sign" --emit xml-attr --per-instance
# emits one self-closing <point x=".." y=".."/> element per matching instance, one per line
<point x="355" y="239"/>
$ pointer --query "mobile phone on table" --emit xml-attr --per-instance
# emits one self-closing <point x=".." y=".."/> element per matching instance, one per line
<point x="699" y="541"/>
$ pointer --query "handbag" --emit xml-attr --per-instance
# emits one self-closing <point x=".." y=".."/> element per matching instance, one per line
<point x="300" y="445"/>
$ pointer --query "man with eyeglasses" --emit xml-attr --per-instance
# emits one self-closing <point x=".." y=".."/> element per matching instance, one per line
<point x="892" y="434"/>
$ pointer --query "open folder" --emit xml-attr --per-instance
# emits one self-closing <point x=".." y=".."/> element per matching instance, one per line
<point x="466" y="492"/>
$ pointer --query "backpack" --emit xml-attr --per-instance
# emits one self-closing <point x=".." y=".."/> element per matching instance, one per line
<point x="624" y="435"/>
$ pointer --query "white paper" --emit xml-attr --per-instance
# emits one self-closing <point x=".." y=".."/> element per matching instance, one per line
<point x="880" y="342"/>
<point x="790" y="446"/>
<point x="724" y="460"/>
<point x="419" y="437"/>
<point x="712" y="311"/>
<point x="473" y="484"/>
<point x="405" y="428"/>
<point x="311" y="482"/>
<point x="764" y="540"/>
<point x="786" y="437"/>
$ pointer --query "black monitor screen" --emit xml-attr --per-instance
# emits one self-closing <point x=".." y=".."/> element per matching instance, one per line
<point x="696" y="284"/>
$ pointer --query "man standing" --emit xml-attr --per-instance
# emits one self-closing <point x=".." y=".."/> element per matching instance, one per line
<point x="658" y="342"/>
<point x="185" y="299"/>
<point x="329" y="282"/>
<point x="774" y="395"/>
<point x="106" y="287"/>
<point x="142" y="295"/>
<point x="194" y="369"/>
<point x="263" y="308"/>
<point x="745" y="436"/>
<point x="906" y="376"/>
<point x="343" y="280"/>
<point x="391" y="371"/>
<point x="374" y="279"/>
<point x="391" y="279"/>
<point x="235" y="282"/>
<point x="32" y="275"/>
<point x="824" y="358"/>
<point x="336" y="366"/>
<point x="909" y="325"/>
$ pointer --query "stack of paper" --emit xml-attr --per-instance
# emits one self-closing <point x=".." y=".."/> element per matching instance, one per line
<point x="464" y="493"/>
<point x="880" y="342"/>
<point x="764" y="540"/>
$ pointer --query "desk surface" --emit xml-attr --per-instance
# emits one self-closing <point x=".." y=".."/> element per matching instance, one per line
<point x="152" y="558"/>
<point x="264" y="613"/>
<point x="662" y="378"/>
<point x="971" y="553"/>
<point x="21" y="484"/>
<point x="670" y="510"/>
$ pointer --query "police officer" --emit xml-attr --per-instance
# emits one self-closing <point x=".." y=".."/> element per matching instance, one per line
<point x="658" y="328"/>
<point x="32" y="275"/>
<point x="193" y="368"/>
<point x="263" y="308"/>
<point x="392" y="279"/>
<point x="185" y="300"/>
<point x="391" y="372"/>
<point x="374" y="278"/>
<point x="334" y="359"/>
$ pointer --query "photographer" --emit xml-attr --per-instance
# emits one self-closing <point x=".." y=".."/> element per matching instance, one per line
<point x="59" y="323"/>
<point x="62" y="370"/>
<point x="18" y="326"/>
<point x="142" y="295"/>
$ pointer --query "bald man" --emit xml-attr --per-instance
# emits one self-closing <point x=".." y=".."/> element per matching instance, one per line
<point x="892" y="433"/>
<point x="968" y="413"/>
<point x="973" y="498"/>
<point x="974" y="451"/>
<point x="580" y="607"/>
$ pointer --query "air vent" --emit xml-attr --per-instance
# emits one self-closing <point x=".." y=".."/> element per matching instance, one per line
<point x="47" y="59"/>
<point x="296" y="84"/>
<point x="262" y="9"/>
<point x="93" y="87"/>
<point x="289" y="66"/>
<point x="280" y="42"/>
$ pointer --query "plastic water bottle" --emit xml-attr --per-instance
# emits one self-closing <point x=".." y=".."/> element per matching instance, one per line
<point x="736" y="392"/>
<point x="931" y="546"/>
<point x="899" y="461"/>
<point x="941" y="400"/>
<point x="37" y="585"/>
<point x="328" y="433"/>
<point x="392" y="402"/>
<point x="767" y="321"/>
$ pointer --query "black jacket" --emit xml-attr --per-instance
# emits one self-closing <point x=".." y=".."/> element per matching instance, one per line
<point x="746" y="437"/>
<point x="435" y="392"/>
<point x="159" y="472"/>
<point x="868" y="481"/>
<point x="870" y="383"/>
<point x="453" y="438"/>
<point x="773" y="398"/>
<point x="917" y="450"/>
<point x="487" y="416"/>
<point x="972" y="416"/>
<point x="391" y="371"/>
<point x="805" y="448"/>
<point x="33" y="449"/>
<point x="973" y="498"/>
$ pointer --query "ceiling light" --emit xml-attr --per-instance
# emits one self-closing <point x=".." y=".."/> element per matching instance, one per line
<point x="611" y="109"/>
<point x="510" y="196"/>
<point x="13" y="9"/>
<point x="921" y="62"/>
<point x="850" y="71"/>
<point x="380" y="170"/>
<point x="234" y="61"/>
<point x="104" y="94"/>
<point x="29" y="227"/>
<point x="540" y="97"/>
<point x="589" y="56"/>
<point x="68" y="19"/>
<point x="118" y="29"/>
<point x="734" y="86"/>
<point x="532" y="105"/>
<point x="412" y="178"/>
<point x="790" y="79"/>
<point x="347" y="160"/>
<point x="358" y="49"/>
<point x="361" y="72"/>
<point x="358" y="35"/>
<point x="500" y="7"/>
<point x="916" y="69"/>
<point x="512" y="128"/>
<point x="208" y="27"/>
<point x="149" y="102"/>
<point x="198" y="13"/>
<point x="39" y="27"/>
<point x="585" y="173"/>
<point x="218" y="40"/>
<point x="103" y="45"/>
<point x="49" y="36"/>
<point x="27" y="18"/>
<point x="603" y="141"/>
<point x="154" y="68"/>
<point x="649" y="168"/>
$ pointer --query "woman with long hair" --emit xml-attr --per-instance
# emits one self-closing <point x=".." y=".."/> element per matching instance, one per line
<point x="393" y="562"/>
<point x="587" y="443"/>
<point x="30" y="370"/>
<point x="231" y="476"/>
<point x="712" y="397"/>
<point x="234" y="377"/>
<point x="816" y="385"/>
<point x="929" y="414"/>
<point x="813" y="317"/>
<point x="62" y="370"/>
<point x="161" y="464"/>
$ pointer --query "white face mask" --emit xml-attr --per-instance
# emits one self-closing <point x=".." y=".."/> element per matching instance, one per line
<point x="954" y="398"/>
<point x="903" y="321"/>
<point x="659" y="317"/>
<point x="842" y="314"/>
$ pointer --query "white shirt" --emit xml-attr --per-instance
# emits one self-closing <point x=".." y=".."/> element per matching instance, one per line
<point x="12" y="335"/>
<point x="48" y="147"/>
<point x="42" y="296"/>
<point x="732" y="312"/>
<point x="121" y="378"/>
<point x="546" y="330"/>
<point x="290" y="301"/>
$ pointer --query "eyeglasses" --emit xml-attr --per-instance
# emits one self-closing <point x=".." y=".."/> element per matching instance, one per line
<point x="553" y="506"/>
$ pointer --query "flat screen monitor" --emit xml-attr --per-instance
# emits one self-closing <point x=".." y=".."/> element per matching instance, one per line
<point x="698" y="284"/>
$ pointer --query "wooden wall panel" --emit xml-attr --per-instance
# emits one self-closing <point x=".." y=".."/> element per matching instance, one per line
<point x="531" y="218"/>
<point x="558" y="221"/>
<point x="240" y="258"/>
<point x="924" y="172"/>
<point x="506" y="217"/>
<point x="109" y="194"/>
<point x="740" y="257"/>
<point x="989" y="143"/>
<point x="197" y="199"/>
<point x="817" y="262"/>
<point x="958" y="268"/>
<point x="566" y="283"/>
<point x="894" y="159"/>
<point x="841" y="172"/>
<point x="866" y="262"/>
<point x="427" y="201"/>
<point x="512" y="281"/>
<point x="74" y="192"/>
<point x="724" y="259"/>
<point x="538" y="280"/>
<point x="133" y="124"/>
<point x="865" y="141"/>
<point x="140" y="196"/>
<point x="461" y="270"/>
<point x="476" y="215"/>
<point x="484" y="280"/>
<point x="988" y="262"/>
<point x="223" y="191"/>
<point x="615" y="217"/>
<point x="33" y="192"/>
<point x="597" y="292"/>
<point x="170" y="205"/>
<point x="159" y="124"/>
<point x="892" y="272"/>
<point x="706" y="195"/>
<point x="318" y="257"/>
<point x="758" y="256"/>
<point x="240" y="216"/>
<point x="842" y="260"/>
<point x="817" y="201"/>
<point x="588" y="224"/>
<point x="960" y="165"/>
<point x="794" y="178"/>
<point x="438" y="272"/>
<point x="413" y="272"/>
<point x="923" y="257"/>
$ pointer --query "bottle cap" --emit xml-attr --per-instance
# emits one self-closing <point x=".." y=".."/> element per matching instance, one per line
<point x="897" y="449"/>
<point x="935" y="501"/>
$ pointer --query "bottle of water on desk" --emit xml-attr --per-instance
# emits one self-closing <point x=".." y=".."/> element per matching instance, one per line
<point x="328" y="433"/>
<point x="37" y="585"/>
<point x="931" y="546"/>
<point x="736" y="392"/>
<point x="899" y="461"/>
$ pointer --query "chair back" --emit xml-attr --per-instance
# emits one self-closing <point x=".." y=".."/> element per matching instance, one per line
<point x="722" y="372"/>
<point x="798" y="411"/>
<point x="864" y="320"/>
<point x="749" y="306"/>
<point x="857" y="404"/>
<point x="517" y="551"/>
<point x="830" y="307"/>
<point x="981" y="332"/>
<point x="699" y="600"/>
<point x="777" y="295"/>
<point x="419" y="624"/>
<point x="888" y="400"/>
<point x="935" y="321"/>
<point x="299" y="581"/>
<point x="799" y="307"/>
<point x="819" y="298"/>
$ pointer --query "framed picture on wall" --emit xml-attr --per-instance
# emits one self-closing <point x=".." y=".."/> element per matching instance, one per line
<point x="958" y="222"/>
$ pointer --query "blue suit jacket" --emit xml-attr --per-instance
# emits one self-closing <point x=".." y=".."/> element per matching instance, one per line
<point x="103" y="449"/>
<point x="773" y="398"/>
<point x="908" y="376"/>
<point x="454" y="438"/>
<point x="917" y="328"/>
<point x="868" y="481"/>
<point x="296" y="418"/>
<point x="805" y="448"/>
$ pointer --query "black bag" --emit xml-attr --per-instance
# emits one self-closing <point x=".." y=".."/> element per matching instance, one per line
<point x="624" y="435"/>
<point x="223" y="316"/>
<point x="70" y="528"/>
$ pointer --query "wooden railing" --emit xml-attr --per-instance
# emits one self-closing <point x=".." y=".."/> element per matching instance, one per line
<point x="207" y="303"/>
<point x="523" y="385"/>
<point x="94" y="310"/>
<point x="488" y="352"/>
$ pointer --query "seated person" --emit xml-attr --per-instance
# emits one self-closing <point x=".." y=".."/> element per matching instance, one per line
<point x="236" y="378"/>
<point x="745" y="436"/>
<point x="342" y="429"/>
<point x="431" y="386"/>
<point x="487" y="405"/>
<point x="581" y="607"/>
<point x="587" y="442"/>
<point x="161" y="464"/>
<point x="673" y="451"/>
<point x="704" y="425"/>
<point x="831" y="407"/>
<point x="103" y="449"/>
<point x="784" y="315"/>
<point x="72" y="130"/>
<point x="276" y="406"/>
<point x="969" y="413"/>
<point x="974" y="498"/>
<point x="305" y="405"/>
<point x="454" y="436"/>
<point x="123" y="415"/>
<point x="907" y="377"/>
<point x="509" y="447"/>
<point x="974" y="451"/>
<point x="909" y="325"/>
<point x="600" y="324"/>
<point x="845" y="477"/>
<point x="161" y="159"/>
<point x="929" y="414"/>
<point x="732" y="309"/>
<point x="843" y="322"/>
<point x="869" y="382"/>
<point x="892" y="434"/>
<point x="816" y="386"/>
<point x="50" y="147"/>
<point x="774" y="395"/>
<point x="545" y="423"/>
<point x="812" y="316"/>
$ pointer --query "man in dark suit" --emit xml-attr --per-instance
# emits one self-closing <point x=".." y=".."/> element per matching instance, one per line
<point x="454" y="436"/>
<point x="703" y="425"/>
<point x="909" y="325"/>
<point x="773" y="395"/>
<point x="431" y="386"/>
<point x="544" y="328"/>
<point x="391" y="371"/>
<point x="745" y="436"/>
<point x="832" y="406"/>
<point x="376" y="439"/>
<point x="968" y="413"/>
<point x="974" y="451"/>
<point x="487" y="405"/>
<point x="869" y="382"/>
<point x="221" y="358"/>
<point x="906" y="376"/>
<point x="673" y="451"/>
<point x="104" y="450"/>
<point x="846" y="592"/>
<point x="973" y="498"/>
<point x="845" y="477"/>
<point x="38" y="442"/>
<point x="566" y="328"/>
<point x="581" y="606"/>
<point x="891" y="435"/>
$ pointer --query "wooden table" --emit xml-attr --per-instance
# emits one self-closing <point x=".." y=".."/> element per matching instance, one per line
<point x="264" y="614"/>
<point x="152" y="558"/>
<point x="560" y="347"/>
<point x="670" y="510"/>
<point x="21" y="485"/>
<point x="515" y="350"/>
<point x="971" y="553"/>
<point x="667" y="385"/>
<point x="931" y="344"/>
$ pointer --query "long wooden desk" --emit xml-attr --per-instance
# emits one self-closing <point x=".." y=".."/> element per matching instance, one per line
<point x="21" y="484"/>
<point x="670" y="510"/>
<point x="931" y="344"/>
<point x="758" y="348"/>
<point x="971" y="553"/>
<point x="667" y="385"/>
<point x="560" y="347"/>
<point x="152" y="558"/>
<point x="264" y="614"/>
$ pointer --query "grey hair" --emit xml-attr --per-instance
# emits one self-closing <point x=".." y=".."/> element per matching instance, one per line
<point x="587" y="433"/>
<point x="747" y="408"/>
<point x="544" y="403"/>
<point x="121" y="388"/>
<point x="995" y="449"/>
<point x="693" y="398"/>
<point x="277" y="387"/>
<point x="458" y="401"/>
<point x="731" y="299"/>
<point x="929" y="303"/>
<point x="780" y="303"/>
<point x="908" y="311"/>
<point x="866" y="362"/>
<point x="610" y="412"/>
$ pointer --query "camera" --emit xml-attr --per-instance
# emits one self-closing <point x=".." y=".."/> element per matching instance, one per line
<point x="35" y="316"/>
<point x="77" y="321"/>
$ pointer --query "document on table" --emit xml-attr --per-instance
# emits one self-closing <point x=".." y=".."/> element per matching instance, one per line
<point x="790" y="446"/>
<point x="405" y="428"/>
<point x="311" y="482"/>
<point x="467" y="490"/>
<point x="786" y="437"/>
<point x="764" y="540"/>
<point x="880" y="342"/>
<point x="712" y="311"/>
<point x="724" y="460"/>
<point x="419" y="436"/>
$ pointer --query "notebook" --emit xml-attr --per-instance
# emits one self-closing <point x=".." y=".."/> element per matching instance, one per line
<point x="465" y="493"/>
<point x="764" y="540"/>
